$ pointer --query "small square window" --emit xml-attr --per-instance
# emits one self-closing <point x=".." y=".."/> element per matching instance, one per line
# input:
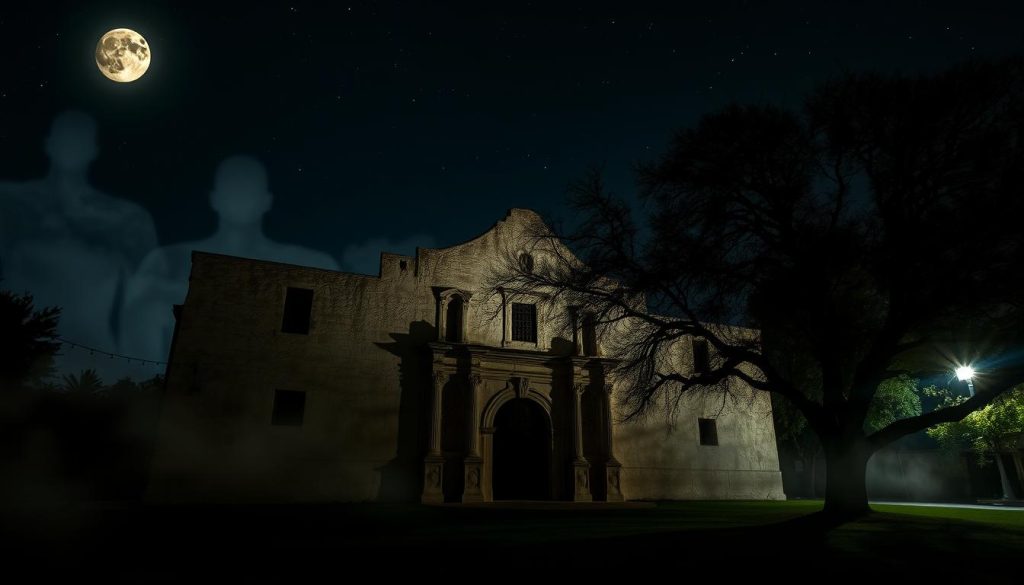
<point x="289" y="408"/>
<point x="524" y="322"/>
<point x="708" y="431"/>
<point x="298" y="304"/>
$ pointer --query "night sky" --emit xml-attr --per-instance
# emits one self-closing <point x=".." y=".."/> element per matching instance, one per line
<point x="423" y="122"/>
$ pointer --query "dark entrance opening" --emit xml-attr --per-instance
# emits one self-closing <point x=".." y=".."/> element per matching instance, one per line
<point x="453" y="324"/>
<point x="522" y="452"/>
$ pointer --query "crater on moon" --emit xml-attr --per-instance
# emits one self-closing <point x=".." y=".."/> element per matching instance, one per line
<point x="122" y="55"/>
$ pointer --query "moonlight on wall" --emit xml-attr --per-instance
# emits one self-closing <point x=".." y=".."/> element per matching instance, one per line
<point x="122" y="55"/>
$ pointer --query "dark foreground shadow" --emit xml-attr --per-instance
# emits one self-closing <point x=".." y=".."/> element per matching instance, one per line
<point x="402" y="476"/>
<point x="170" y="542"/>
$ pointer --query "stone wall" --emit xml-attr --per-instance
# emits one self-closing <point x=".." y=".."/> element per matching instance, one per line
<point x="366" y="369"/>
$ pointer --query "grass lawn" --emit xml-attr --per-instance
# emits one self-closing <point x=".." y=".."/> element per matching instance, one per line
<point x="742" y="536"/>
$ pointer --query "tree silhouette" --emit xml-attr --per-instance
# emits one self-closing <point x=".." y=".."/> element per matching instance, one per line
<point x="86" y="382"/>
<point x="896" y="398"/>
<point x="27" y="340"/>
<point x="872" y="235"/>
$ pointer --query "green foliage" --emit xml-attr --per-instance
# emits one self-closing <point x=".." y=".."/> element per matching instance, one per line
<point x="896" y="398"/>
<point x="993" y="428"/>
<point x="27" y="340"/>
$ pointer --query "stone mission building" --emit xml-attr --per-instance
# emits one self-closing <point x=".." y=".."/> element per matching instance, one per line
<point x="289" y="383"/>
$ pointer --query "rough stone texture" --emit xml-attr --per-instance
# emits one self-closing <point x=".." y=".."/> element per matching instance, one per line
<point x="663" y="458"/>
<point x="371" y="366"/>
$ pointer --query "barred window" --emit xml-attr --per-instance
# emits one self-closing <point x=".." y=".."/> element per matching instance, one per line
<point x="524" y="322"/>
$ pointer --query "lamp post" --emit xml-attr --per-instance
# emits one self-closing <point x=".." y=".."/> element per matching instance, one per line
<point x="966" y="374"/>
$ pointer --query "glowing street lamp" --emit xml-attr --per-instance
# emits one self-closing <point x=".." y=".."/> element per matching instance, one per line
<point x="966" y="374"/>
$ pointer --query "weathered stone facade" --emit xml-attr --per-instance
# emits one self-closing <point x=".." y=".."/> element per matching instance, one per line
<point x="418" y="384"/>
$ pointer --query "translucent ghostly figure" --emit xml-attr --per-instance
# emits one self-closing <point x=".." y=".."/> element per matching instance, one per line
<point x="240" y="197"/>
<point x="67" y="243"/>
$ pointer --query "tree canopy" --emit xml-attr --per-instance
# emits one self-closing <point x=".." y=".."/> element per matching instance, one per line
<point x="28" y="340"/>
<point x="996" y="427"/>
<point x="823" y="253"/>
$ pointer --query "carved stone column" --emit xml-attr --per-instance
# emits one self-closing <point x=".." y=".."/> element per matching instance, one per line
<point x="433" y="463"/>
<point x="506" y="319"/>
<point x="464" y="322"/>
<point x="474" y="469"/>
<point x="476" y="382"/>
<point x="442" y="318"/>
<point x="612" y="467"/>
<point x="580" y="466"/>
<point x="577" y="333"/>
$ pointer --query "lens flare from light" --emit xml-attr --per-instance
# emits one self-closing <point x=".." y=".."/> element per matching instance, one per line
<point x="964" y="373"/>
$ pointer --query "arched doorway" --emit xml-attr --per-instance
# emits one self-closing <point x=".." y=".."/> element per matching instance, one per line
<point x="522" y="452"/>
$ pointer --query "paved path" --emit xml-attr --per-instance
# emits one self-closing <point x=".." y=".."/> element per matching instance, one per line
<point x="1013" y="506"/>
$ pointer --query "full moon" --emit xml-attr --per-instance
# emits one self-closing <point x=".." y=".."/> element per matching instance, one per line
<point x="122" y="55"/>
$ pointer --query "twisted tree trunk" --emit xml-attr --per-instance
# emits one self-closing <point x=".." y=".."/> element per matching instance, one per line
<point x="846" y="495"/>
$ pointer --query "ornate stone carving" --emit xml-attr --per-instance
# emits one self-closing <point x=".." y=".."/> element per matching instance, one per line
<point x="476" y="381"/>
<point x="433" y="474"/>
<point x="612" y="481"/>
<point x="612" y="466"/>
<point x="440" y="377"/>
<point x="581" y="481"/>
<point x="522" y="386"/>
<point x="447" y="294"/>
<point x="474" y="469"/>
<point x="577" y="419"/>
<point x="444" y="298"/>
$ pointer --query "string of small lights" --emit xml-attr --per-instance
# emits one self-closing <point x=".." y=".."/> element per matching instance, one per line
<point x="109" y="354"/>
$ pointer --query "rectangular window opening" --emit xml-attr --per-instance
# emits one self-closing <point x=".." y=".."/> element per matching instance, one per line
<point x="289" y="408"/>
<point x="298" y="305"/>
<point x="524" y="322"/>
<point x="708" y="431"/>
<point x="701" y="359"/>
